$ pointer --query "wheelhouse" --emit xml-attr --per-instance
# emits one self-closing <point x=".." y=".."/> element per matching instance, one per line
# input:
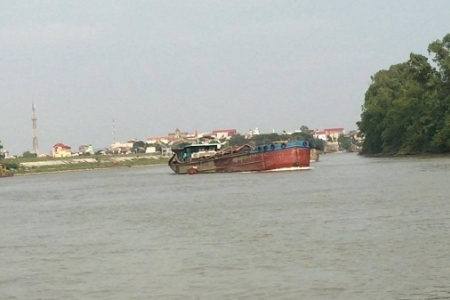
<point x="196" y="151"/>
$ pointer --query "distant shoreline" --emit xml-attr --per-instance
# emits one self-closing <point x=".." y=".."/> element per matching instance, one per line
<point x="66" y="165"/>
<point x="85" y="170"/>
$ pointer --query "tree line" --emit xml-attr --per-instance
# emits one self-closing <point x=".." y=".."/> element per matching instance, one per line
<point x="407" y="107"/>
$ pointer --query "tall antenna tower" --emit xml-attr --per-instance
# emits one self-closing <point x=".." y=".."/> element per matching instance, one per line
<point x="35" y="137"/>
<point x="114" y="131"/>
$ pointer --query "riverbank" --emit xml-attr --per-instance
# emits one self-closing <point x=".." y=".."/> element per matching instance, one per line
<point x="26" y="166"/>
<point x="415" y="154"/>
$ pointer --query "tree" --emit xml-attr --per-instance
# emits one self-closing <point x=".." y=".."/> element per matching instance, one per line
<point x="386" y="85"/>
<point x="441" y="51"/>
<point x="28" y="154"/>
<point x="1" y="153"/>
<point x="407" y="107"/>
<point x="237" y="139"/>
<point x="304" y="129"/>
<point x="139" y="147"/>
<point x="319" y="144"/>
<point x="344" y="142"/>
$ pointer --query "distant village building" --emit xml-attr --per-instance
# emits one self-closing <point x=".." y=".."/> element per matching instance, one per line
<point x="356" y="140"/>
<point x="86" y="149"/>
<point x="150" y="150"/>
<point x="223" y="133"/>
<point x="251" y="133"/>
<point x="172" y="137"/>
<point x="179" y="136"/>
<point x="166" y="151"/>
<point x="61" y="150"/>
<point x="354" y="134"/>
<point x="330" y="136"/>
<point x="153" y="140"/>
<point x="334" y="133"/>
<point x="320" y="134"/>
<point x="4" y="153"/>
<point x="122" y="148"/>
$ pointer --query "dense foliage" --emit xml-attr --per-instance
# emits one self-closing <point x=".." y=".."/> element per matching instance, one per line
<point x="407" y="107"/>
<point x="345" y="143"/>
<point x="28" y="154"/>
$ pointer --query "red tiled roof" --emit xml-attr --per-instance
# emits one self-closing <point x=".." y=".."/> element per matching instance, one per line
<point x="334" y="129"/>
<point x="62" y="146"/>
<point x="229" y="131"/>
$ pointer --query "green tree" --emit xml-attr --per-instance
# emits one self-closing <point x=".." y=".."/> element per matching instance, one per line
<point x="441" y="51"/>
<point x="407" y="107"/>
<point x="237" y="139"/>
<point x="441" y="91"/>
<point x="139" y="147"/>
<point x="28" y="154"/>
<point x="305" y="129"/>
<point x="344" y="142"/>
<point x="385" y="87"/>
<point x="1" y="153"/>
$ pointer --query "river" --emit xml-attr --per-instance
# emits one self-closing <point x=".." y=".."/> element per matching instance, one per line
<point x="351" y="228"/>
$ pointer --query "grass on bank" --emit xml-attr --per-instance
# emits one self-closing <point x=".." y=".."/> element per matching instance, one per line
<point x="76" y="163"/>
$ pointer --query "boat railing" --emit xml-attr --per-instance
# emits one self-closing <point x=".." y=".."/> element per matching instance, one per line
<point x="281" y="145"/>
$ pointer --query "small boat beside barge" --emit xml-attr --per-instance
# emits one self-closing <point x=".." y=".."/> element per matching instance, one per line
<point x="210" y="158"/>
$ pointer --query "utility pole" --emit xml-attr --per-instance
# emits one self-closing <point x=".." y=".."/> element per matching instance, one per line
<point x="114" y="131"/>
<point x="35" y="137"/>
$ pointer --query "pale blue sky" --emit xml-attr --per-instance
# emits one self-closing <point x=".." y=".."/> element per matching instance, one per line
<point x="154" y="66"/>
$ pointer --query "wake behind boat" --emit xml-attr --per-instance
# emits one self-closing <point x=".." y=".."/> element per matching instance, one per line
<point x="209" y="158"/>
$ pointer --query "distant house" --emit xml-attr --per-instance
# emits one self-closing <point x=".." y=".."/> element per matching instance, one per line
<point x="177" y="134"/>
<point x="153" y="140"/>
<point x="252" y="132"/>
<point x="150" y="150"/>
<point x="356" y="139"/>
<point x="224" y="133"/>
<point x="334" y="132"/>
<point x="4" y="153"/>
<point x="164" y="140"/>
<point x="61" y="150"/>
<point x="122" y="148"/>
<point x="321" y="134"/>
<point x="173" y="137"/>
<point x="330" y="136"/>
<point x="84" y="149"/>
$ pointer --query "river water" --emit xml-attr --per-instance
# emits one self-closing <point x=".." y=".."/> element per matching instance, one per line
<point x="351" y="228"/>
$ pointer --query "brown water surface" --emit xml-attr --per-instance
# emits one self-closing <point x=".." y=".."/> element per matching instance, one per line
<point x="351" y="228"/>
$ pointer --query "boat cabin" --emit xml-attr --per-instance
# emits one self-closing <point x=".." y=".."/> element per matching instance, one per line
<point x="196" y="151"/>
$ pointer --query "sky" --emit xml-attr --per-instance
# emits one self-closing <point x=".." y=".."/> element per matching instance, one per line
<point x="154" y="66"/>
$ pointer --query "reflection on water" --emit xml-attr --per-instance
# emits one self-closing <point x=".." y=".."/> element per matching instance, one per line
<point x="351" y="228"/>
